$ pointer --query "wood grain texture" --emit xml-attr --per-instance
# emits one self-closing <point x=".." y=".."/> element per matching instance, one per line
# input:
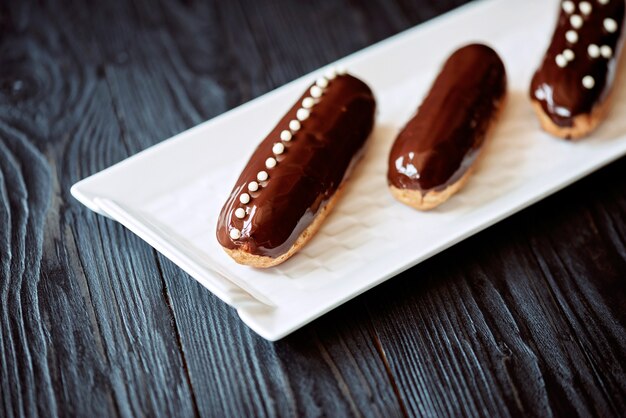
<point x="526" y="319"/>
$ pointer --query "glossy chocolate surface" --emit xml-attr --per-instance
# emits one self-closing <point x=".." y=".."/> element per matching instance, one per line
<point x="560" y="90"/>
<point x="308" y="173"/>
<point x="439" y="143"/>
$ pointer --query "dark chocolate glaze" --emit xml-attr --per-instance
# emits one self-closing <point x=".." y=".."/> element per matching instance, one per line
<point x="560" y="90"/>
<point x="314" y="164"/>
<point x="441" y="141"/>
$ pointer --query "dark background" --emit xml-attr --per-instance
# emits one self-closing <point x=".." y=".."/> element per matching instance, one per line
<point x="526" y="318"/>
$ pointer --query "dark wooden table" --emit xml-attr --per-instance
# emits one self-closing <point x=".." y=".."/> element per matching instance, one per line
<point x="525" y="319"/>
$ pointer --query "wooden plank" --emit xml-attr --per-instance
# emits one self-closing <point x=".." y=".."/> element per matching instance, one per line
<point x="85" y="327"/>
<point x="25" y="194"/>
<point x="526" y="318"/>
<point x="329" y="368"/>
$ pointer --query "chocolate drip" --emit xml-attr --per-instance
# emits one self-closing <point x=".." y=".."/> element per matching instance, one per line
<point x="441" y="141"/>
<point x="315" y="162"/>
<point x="560" y="90"/>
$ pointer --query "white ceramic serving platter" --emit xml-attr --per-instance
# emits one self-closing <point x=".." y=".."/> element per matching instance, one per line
<point x="170" y="194"/>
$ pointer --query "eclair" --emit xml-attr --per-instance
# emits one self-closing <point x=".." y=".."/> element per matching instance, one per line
<point x="296" y="174"/>
<point x="435" y="153"/>
<point x="571" y="89"/>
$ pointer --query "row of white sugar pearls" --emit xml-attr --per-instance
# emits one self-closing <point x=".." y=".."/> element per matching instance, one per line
<point x="316" y="92"/>
<point x="594" y="51"/>
<point x="585" y="7"/>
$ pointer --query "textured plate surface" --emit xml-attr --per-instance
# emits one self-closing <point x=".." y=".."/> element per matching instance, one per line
<point x="170" y="194"/>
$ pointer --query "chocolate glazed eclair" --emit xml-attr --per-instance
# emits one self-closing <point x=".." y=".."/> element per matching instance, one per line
<point x="295" y="176"/>
<point x="570" y="90"/>
<point x="434" y="154"/>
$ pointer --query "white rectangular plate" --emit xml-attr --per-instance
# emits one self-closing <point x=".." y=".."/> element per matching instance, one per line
<point x="170" y="194"/>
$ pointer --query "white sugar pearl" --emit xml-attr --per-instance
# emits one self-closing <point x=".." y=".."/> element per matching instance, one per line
<point x="561" y="61"/>
<point x="316" y="92"/>
<point x="585" y="7"/>
<point x="589" y="82"/>
<point x="270" y="162"/>
<point x="606" y="51"/>
<point x="330" y="74"/>
<point x="593" y="50"/>
<point x="569" y="54"/>
<point x="235" y="233"/>
<point x="308" y="102"/>
<point x="294" y="125"/>
<point x="568" y="6"/>
<point x="286" y="136"/>
<point x="540" y="94"/>
<point x="244" y="198"/>
<point x="571" y="36"/>
<point x="240" y="213"/>
<point x="341" y="70"/>
<point x="322" y="82"/>
<point x="262" y="176"/>
<point x="576" y="21"/>
<point x="253" y="186"/>
<point x="278" y="148"/>
<point x="303" y="114"/>
<point x="603" y="2"/>
<point x="610" y="25"/>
